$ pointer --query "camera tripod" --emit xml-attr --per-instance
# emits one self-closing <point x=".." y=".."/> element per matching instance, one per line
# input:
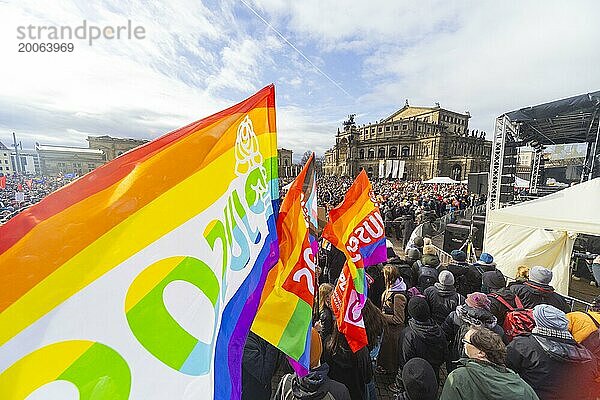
<point x="468" y="246"/>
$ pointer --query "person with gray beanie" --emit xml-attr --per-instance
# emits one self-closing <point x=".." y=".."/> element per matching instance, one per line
<point x="537" y="290"/>
<point x="551" y="361"/>
<point x="442" y="297"/>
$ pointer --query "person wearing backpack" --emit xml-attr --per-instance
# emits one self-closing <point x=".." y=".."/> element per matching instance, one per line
<point x="537" y="290"/>
<point x="314" y="386"/>
<point x="475" y="272"/>
<point x="442" y="297"/>
<point x="393" y="302"/>
<point x="502" y="300"/>
<point x="551" y="361"/>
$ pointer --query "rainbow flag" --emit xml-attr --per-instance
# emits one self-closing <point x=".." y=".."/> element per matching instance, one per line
<point x="356" y="228"/>
<point x="140" y="279"/>
<point x="284" y="318"/>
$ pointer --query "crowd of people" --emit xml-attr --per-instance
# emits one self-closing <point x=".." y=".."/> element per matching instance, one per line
<point x="21" y="191"/>
<point x="446" y="331"/>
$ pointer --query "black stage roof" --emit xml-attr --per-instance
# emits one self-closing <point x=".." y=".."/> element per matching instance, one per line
<point x="571" y="120"/>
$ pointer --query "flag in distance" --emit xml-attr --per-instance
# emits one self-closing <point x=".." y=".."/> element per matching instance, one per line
<point x="284" y="317"/>
<point x="357" y="229"/>
<point x="140" y="280"/>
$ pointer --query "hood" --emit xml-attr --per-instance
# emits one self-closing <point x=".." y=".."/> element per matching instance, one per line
<point x="476" y="316"/>
<point x="428" y="331"/>
<point x="444" y="290"/>
<point x="309" y="387"/>
<point x="497" y="382"/>
<point x="431" y="260"/>
<point x="567" y="351"/>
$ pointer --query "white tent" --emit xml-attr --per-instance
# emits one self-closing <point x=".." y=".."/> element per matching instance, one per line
<point x="542" y="231"/>
<point x="521" y="183"/>
<point x="441" y="179"/>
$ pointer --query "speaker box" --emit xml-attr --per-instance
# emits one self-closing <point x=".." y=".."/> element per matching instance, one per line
<point x="478" y="183"/>
<point x="478" y="229"/>
<point x="455" y="235"/>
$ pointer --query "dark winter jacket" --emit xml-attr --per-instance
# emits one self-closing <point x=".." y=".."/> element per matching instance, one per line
<point x="461" y="283"/>
<point x="483" y="380"/>
<point x="533" y="293"/>
<point x="314" y="386"/>
<point x="431" y="260"/>
<point x="474" y="275"/>
<point x="327" y="321"/>
<point x="497" y="308"/>
<point x="557" y="369"/>
<point x="376" y="288"/>
<point x="259" y="363"/>
<point x="425" y="340"/>
<point x="354" y="370"/>
<point x="458" y="323"/>
<point x="442" y="301"/>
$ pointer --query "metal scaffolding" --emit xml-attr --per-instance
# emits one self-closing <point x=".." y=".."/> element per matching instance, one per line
<point x="504" y="131"/>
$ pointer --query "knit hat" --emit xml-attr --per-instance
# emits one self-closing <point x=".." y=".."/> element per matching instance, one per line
<point x="418" y="241"/>
<point x="458" y="255"/>
<point x="478" y="300"/>
<point x="414" y="254"/>
<point x="446" y="278"/>
<point x="486" y="258"/>
<point x="429" y="249"/>
<point x="494" y="280"/>
<point x="540" y="275"/>
<point x="419" y="309"/>
<point x="316" y="348"/>
<point x="419" y="380"/>
<point x="547" y="316"/>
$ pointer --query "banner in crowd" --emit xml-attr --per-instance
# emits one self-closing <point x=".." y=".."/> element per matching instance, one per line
<point x="381" y="169"/>
<point x="3" y="182"/>
<point x="284" y="317"/>
<point x="140" y="280"/>
<point x="395" y="169"/>
<point x="357" y="229"/>
<point x="388" y="169"/>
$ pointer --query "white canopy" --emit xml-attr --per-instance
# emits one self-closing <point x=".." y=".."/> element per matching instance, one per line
<point x="521" y="183"/>
<point x="542" y="231"/>
<point x="441" y="179"/>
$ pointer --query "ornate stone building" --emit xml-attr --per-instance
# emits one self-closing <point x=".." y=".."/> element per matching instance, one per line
<point x="287" y="169"/>
<point x="414" y="143"/>
<point x="113" y="147"/>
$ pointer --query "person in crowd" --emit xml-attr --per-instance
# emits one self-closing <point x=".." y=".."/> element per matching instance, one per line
<point x="422" y="338"/>
<point x="475" y="312"/>
<point x="413" y="257"/>
<point x="475" y="271"/>
<point x="442" y="297"/>
<point x="418" y="381"/>
<point x="495" y="283"/>
<point x="521" y="276"/>
<point x="374" y="325"/>
<point x="406" y="271"/>
<point x="354" y="370"/>
<point x="430" y="257"/>
<point x="314" y="386"/>
<point x="484" y="375"/>
<point x="459" y="268"/>
<point x="393" y="302"/>
<point x="377" y="286"/>
<point x="326" y="318"/>
<point x="418" y="243"/>
<point x="537" y="290"/>
<point x="551" y="361"/>
<point x="581" y="324"/>
<point x="259" y="363"/>
<point x="408" y="226"/>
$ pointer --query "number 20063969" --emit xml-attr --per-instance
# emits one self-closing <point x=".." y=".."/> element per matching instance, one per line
<point x="25" y="47"/>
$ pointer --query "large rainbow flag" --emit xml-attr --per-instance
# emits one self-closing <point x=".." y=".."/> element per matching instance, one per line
<point x="284" y="317"/>
<point x="140" y="280"/>
<point x="356" y="228"/>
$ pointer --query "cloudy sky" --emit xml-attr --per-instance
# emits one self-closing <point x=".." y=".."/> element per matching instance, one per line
<point x="327" y="59"/>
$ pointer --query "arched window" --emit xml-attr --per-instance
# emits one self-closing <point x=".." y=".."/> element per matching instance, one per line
<point x="285" y="162"/>
<point x="405" y="152"/>
<point x="381" y="153"/>
<point x="371" y="153"/>
<point x="370" y="172"/>
<point x="457" y="172"/>
<point x="394" y="151"/>
<point x="361" y="153"/>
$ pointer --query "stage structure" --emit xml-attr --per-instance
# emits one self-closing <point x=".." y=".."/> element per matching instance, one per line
<point x="567" y="121"/>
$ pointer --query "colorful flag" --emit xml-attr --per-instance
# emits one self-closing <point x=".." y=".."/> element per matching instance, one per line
<point x="347" y="305"/>
<point x="2" y="182"/>
<point x="357" y="229"/>
<point x="29" y="182"/>
<point x="284" y="317"/>
<point x="140" y="280"/>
